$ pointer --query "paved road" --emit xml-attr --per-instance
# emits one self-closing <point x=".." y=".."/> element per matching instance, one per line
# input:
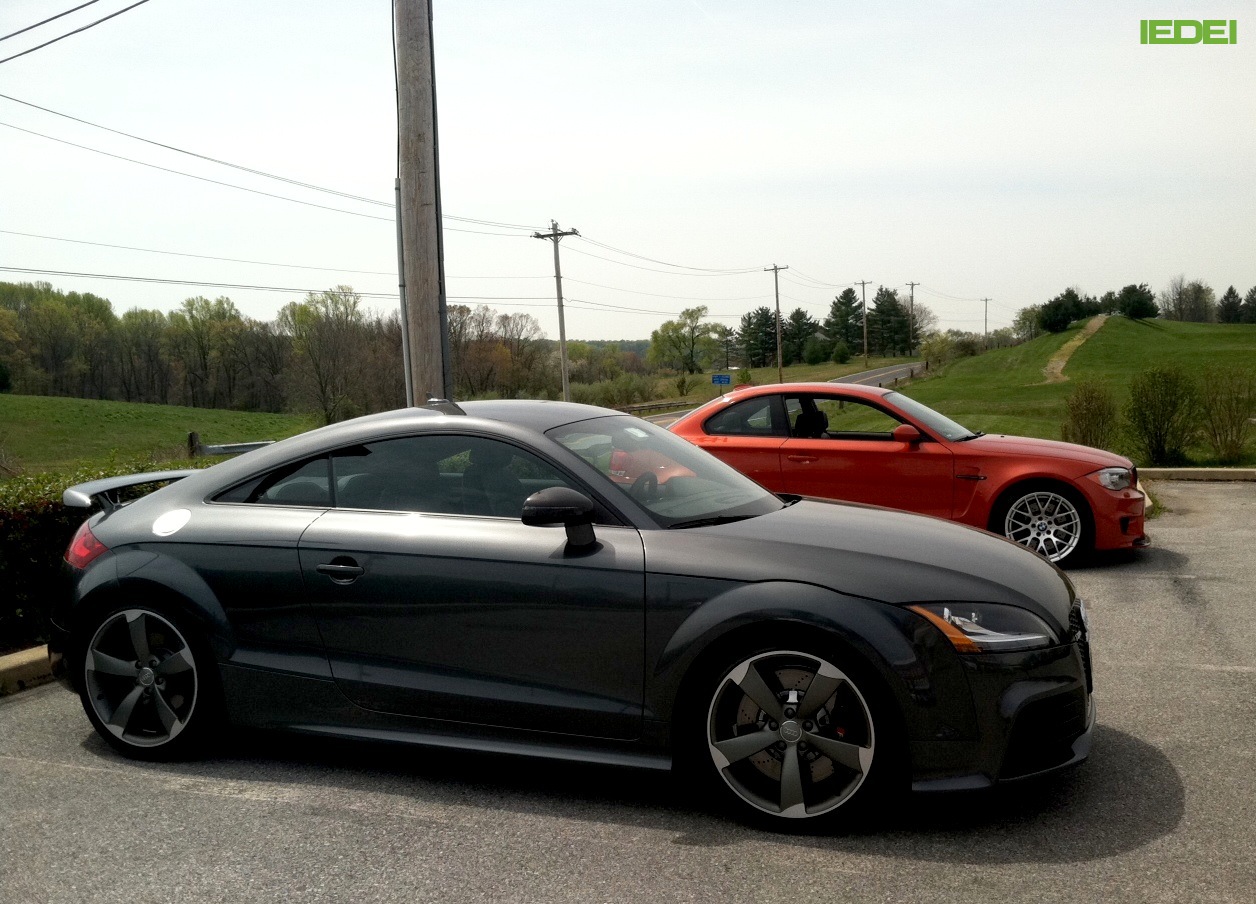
<point x="1163" y="812"/>
<point x="883" y="376"/>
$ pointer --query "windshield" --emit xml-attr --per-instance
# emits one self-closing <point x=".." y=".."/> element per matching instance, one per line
<point x="679" y="484"/>
<point x="936" y="422"/>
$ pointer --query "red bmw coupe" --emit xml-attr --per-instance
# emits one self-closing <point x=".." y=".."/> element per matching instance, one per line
<point x="877" y="446"/>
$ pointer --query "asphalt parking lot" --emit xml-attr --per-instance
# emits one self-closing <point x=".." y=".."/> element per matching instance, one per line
<point x="1163" y="812"/>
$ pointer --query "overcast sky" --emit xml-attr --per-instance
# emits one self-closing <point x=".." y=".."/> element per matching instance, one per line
<point x="981" y="149"/>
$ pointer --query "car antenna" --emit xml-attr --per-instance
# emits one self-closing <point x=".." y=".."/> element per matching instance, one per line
<point x="444" y="406"/>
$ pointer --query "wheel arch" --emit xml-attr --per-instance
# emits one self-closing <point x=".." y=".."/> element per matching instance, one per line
<point x="1023" y="484"/>
<point x="160" y="580"/>
<point x="865" y="632"/>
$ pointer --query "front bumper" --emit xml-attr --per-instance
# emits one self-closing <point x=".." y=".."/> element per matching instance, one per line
<point x="1033" y="714"/>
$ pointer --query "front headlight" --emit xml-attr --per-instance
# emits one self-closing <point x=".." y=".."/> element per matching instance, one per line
<point x="987" y="627"/>
<point x="1114" y="478"/>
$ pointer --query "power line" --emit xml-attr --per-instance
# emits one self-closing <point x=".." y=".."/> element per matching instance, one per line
<point x="207" y="257"/>
<point x="666" y="263"/>
<point x="248" y="169"/>
<point x="14" y="34"/>
<point x="220" y="285"/>
<point x="76" y="31"/>
<point x="657" y="294"/>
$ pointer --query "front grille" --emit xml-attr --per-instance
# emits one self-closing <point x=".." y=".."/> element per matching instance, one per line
<point x="1079" y="633"/>
<point x="1044" y="732"/>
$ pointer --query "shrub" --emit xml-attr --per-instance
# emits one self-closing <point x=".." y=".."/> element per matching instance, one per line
<point x="816" y="351"/>
<point x="841" y="352"/>
<point x="1161" y="416"/>
<point x="625" y="389"/>
<point x="744" y="377"/>
<point x="1227" y="403"/>
<point x="1091" y="415"/>
<point x="35" y="529"/>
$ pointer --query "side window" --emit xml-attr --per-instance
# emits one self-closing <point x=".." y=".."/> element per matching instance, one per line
<point x="304" y="483"/>
<point x="753" y="417"/>
<point x="855" y="419"/>
<point x="453" y="475"/>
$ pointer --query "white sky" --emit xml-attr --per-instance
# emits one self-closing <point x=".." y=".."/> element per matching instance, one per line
<point x="1006" y="150"/>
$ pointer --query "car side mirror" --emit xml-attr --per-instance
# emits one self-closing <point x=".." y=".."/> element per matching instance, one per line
<point x="906" y="433"/>
<point x="565" y="506"/>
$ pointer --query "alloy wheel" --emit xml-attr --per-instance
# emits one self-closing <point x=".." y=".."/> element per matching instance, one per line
<point x="1046" y="522"/>
<point x="140" y="678"/>
<point x="790" y="734"/>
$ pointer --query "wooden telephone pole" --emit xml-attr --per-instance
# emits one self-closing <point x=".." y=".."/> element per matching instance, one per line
<point x="420" y="243"/>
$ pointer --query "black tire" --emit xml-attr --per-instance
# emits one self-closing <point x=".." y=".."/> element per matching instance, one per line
<point x="148" y="683"/>
<point x="776" y="756"/>
<point x="1051" y="519"/>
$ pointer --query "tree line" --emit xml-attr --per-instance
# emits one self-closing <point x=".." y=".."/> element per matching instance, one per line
<point x="1192" y="301"/>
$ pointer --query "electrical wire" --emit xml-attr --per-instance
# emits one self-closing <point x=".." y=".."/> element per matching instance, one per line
<point x="567" y="279"/>
<point x="76" y="31"/>
<point x="652" y="260"/>
<point x="14" y="34"/>
<point x="207" y="257"/>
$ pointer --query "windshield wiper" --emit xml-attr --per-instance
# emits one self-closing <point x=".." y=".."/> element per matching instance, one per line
<point x="708" y="522"/>
<point x="964" y="439"/>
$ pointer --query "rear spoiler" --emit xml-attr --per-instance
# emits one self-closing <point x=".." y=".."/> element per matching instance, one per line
<point x="104" y="491"/>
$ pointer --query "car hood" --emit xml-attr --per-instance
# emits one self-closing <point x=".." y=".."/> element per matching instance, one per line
<point x="998" y="444"/>
<point x="880" y="554"/>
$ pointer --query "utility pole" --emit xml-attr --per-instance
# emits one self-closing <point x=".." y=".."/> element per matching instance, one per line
<point x="863" y="288"/>
<point x="421" y="245"/>
<point x="776" y="281"/>
<point x="911" y="319"/>
<point x="985" y="325"/>
<point x="555" y="236"/>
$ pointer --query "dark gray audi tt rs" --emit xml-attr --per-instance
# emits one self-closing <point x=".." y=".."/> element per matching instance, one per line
<point x="513" y="577"/>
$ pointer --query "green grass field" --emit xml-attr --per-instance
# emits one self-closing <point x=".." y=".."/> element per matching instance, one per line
<point x="39" y="433"/>
<point x="1005" y="391"/>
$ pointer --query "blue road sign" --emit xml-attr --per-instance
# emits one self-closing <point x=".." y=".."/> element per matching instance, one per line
<point x="721" y="379"/>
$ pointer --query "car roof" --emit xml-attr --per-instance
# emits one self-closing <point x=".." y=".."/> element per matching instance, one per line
<point x="857" y="389"/>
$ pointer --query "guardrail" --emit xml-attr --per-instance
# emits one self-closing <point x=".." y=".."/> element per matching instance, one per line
<point x="196" y="448"/>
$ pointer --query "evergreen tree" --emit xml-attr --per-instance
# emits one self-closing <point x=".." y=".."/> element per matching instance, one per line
<point x="887" y="324"/>
<point x="1249" y="306"/>
<point x="845" y="320"/>
<point x="757" y="337"/>
<point x="1230" y="308"/>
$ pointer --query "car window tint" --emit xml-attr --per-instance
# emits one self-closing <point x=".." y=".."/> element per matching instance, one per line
<point x="752" y="417"/>
<point x="446" y="474"/>
<point x="301" y="484"/>
<point x="854" y="419"/>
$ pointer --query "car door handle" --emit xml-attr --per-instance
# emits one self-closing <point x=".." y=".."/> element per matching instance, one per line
<point x="802" y="458"/>
<point x="342" y="571"/>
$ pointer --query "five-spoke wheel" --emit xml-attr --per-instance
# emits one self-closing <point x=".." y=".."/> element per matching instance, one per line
<point x="141" y="683"/>
<point x="1048" y="522"/>
<point x="790" y="734"/>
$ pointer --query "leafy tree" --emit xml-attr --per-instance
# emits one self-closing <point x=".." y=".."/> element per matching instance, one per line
<point x="1230" y="308"/>
<point x="1026" y="325"/>
<point x="757" y="337"/>
<point x="327" y="347"/>
<point x="1192" y="302"/>
<point x="683" y="344"/>
<point x="1137" y="302"/>
<point x="1109" y="303"/>
<point x="1069" y="305"/>
<point x="844" y="322"/>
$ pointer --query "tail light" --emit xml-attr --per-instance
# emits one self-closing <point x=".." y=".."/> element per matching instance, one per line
<point x="84" y="548"/>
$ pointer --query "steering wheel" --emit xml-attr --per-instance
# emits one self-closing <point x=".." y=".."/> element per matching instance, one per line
<point x="645" y="488"/>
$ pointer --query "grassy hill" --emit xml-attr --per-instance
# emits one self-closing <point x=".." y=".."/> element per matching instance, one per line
<point x="39" y="433"/>
<point x="1005" y="391"/>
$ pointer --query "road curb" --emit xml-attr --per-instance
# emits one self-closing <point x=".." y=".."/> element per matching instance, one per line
<point x="1210" y="474"/>
<point x="26" y="669"/>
